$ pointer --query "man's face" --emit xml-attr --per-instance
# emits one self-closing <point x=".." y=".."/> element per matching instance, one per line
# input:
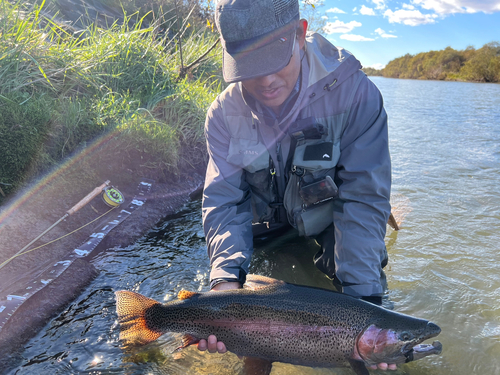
<point x="272" y="90"/>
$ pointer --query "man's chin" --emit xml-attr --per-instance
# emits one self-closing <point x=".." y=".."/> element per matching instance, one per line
<point x="274" y="104"/>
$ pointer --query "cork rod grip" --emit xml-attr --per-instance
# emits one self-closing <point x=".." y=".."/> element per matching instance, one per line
<point x="88" y="198"/>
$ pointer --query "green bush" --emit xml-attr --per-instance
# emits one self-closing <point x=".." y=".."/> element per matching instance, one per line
<point x="24" y="124"/>
<point x="372" y="71"/>
<point x="482" y="65"/>
<point x="74" y="122"/>
<point x="125" y="79"/>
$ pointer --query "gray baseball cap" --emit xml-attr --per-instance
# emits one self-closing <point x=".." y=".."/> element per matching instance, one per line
<point x="257" y="36"/>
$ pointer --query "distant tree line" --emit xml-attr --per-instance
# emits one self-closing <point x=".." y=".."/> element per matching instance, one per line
<point x="478" y="65"/>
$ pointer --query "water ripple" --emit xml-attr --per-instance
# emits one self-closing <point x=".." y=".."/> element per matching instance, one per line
<point x="444" y="263"/>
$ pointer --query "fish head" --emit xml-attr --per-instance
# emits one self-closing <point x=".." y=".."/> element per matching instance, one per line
<point x="397" y="345"/>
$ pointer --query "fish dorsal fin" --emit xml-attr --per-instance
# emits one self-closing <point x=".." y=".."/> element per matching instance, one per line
<point x="256" y="282"/>
<point x="186" y="294"/>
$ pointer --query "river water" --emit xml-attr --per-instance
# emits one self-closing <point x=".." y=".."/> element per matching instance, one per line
<point x="444" y="262"/>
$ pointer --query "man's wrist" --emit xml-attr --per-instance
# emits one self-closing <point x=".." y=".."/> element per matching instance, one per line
<point x="240" y="277"/>
<point x="227" y="285"/>
<point x="215" y="282"/>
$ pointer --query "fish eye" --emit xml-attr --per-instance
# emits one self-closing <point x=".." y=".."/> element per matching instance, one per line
<point x="405" y="336"/>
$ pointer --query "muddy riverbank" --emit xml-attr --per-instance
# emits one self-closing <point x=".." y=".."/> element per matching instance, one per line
<point x="44" y="202"/>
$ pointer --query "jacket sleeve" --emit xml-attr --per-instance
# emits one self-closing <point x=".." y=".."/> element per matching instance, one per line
<point x="226" y="206"/>
<point x="364" y="178"/>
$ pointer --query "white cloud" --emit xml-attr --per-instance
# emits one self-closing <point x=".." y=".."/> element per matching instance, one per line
<point x="366" y="11"/>
<point x="355" y="38"/>
<point x="444" y="7"/>
<point x="380" y="4"/>
<point x="340" y="27"/>
<point x="354" y="9"/>
<point x="408" y="6"/>
<point x="383" y="34"/>
<point x="325" y="17"/>
<point x="409" y="17"/>
<point x="335" y="10"/>
<point x="376" y="66"/>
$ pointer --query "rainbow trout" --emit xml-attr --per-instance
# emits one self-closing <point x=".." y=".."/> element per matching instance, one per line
<point x="277" y="321"/>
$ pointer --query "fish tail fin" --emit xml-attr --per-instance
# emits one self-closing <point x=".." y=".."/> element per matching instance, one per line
<point x="131" y="309"/>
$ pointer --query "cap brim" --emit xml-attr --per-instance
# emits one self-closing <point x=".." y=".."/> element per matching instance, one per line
<point x="268" y="59"/>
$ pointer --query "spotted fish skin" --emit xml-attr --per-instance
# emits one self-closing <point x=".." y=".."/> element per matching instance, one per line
<point x="282" y="322"/>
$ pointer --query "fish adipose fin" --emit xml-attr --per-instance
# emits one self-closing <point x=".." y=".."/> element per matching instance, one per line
<point x="358" y="367"/>
<point x="131" y="309"/>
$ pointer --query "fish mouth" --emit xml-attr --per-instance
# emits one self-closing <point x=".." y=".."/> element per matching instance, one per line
<point x="416" y="350"/>
<point x="422" y="350"/>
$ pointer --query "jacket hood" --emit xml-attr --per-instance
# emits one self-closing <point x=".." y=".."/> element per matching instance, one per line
<point x="324" y="60"/>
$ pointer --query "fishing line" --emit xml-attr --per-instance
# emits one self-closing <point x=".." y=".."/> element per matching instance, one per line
<point x="57" y="239"/>
<point x="111" y="196"/>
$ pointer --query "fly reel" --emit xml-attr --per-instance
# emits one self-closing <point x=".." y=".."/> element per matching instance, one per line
<point x="112" y="196"/>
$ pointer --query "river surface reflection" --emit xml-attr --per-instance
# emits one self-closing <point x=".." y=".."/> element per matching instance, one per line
<point x="444" y="263"/>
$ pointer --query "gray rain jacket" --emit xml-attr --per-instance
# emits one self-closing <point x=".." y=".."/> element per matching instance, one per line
<point x="248" y="175"/>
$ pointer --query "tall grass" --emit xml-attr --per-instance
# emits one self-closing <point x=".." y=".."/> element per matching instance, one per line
<point x="124" y="78"/>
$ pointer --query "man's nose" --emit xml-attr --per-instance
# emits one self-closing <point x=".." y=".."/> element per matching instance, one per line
<point x="266" y="81"/>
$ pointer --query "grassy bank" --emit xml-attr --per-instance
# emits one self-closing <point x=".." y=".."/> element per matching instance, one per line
<point x="60" y="90"/>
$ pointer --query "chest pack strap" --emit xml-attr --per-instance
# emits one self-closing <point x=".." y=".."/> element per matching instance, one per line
<point x="294" y="139"/>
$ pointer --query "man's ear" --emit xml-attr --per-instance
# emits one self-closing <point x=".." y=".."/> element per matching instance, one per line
<point x="301" y="32"/>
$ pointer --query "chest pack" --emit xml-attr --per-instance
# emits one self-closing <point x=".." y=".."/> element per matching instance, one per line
<point x="311" y="189"/>
<point x="310" y="193"/>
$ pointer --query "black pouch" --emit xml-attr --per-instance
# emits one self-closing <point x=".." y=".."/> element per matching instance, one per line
<point x="310" y="191"/>
<point x="318" y="191"/>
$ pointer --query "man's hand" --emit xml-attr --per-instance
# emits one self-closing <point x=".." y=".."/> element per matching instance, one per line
<point x="211" y="343"/>
<point x="376" y="300"/>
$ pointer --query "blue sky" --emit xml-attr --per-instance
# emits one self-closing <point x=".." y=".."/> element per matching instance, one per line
<point x="377" y="31"/>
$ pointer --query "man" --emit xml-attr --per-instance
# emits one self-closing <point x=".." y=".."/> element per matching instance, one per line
<point x="300" y="137"/>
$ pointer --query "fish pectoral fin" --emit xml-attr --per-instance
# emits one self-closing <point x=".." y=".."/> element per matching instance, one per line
<point x="358" y="367"/>
<point x="256" y="366"/>
<point x="186" y="294"/>
<point x="256" y="282"/>
<point x="188" y="340"/>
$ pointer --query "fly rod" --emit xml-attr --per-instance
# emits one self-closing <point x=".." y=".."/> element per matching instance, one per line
<point x="94" y="193"/>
